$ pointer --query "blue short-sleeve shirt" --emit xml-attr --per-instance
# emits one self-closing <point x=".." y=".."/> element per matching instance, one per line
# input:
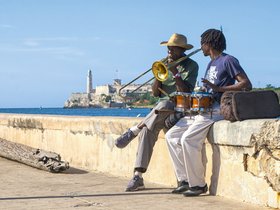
<point x="222" y="71"/>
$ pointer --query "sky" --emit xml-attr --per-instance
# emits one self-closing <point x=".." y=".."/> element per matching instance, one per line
<point x="48" y="46"/>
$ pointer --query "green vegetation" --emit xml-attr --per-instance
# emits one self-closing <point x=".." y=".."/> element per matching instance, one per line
<point x="270" y="87"/>
<point x="146" y="100"/>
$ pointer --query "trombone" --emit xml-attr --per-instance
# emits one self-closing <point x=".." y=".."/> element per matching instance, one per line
<point x="160" y="70"/>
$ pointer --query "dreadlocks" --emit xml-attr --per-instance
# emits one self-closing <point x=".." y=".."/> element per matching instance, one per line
<point x="214" y="38"/>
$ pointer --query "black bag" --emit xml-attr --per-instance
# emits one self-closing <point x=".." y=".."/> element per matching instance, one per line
<point x="242" y="105"/>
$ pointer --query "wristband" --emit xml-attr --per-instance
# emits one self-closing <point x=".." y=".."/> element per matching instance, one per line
<point x="178" y="75"/>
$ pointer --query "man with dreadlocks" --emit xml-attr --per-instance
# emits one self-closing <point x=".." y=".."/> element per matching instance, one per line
<point x="186" y="139"/>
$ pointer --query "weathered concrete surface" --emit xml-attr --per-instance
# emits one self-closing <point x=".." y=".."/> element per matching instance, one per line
<point x="26" y="188"/>
<point x="88" y="142"/>
<point x="259" y="143"/>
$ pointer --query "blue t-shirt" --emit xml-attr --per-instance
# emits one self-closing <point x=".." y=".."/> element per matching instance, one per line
<point x="222" y="72"/>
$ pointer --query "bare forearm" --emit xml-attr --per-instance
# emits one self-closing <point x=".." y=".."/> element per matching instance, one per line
<point x="156" y="85"/>
<point x="243" y="83"/>
<point x="236" y="87"/>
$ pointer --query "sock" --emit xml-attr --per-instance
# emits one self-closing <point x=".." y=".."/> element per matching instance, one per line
<point x="137" y="173"/>
<point x="135" y="130"/>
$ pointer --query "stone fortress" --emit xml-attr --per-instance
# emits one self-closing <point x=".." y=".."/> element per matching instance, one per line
<point x="105" y="96"/>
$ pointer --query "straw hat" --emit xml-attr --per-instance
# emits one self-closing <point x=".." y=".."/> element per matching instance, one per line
<point x="177" y="40"/>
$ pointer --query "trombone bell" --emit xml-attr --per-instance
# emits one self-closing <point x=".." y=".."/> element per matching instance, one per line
<point x="160" y="71"/>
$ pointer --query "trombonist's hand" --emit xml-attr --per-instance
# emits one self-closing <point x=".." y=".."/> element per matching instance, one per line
<point x="173" y="69"/>
<point x="156" y="84"/>
<point x="215" y="88"/>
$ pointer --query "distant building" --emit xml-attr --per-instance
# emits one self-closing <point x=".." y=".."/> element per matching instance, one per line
<point x="105" y="95"/>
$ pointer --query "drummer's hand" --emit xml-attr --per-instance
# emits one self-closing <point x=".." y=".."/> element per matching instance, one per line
<point x="215" y="88"/>
<point x="203" y="89"/>
<point x="205" y="81"/>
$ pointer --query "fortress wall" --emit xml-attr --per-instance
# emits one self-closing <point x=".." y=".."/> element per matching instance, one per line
<point x="78" y="96"/>
<point x="88" y="143"/>
<point x="104" y="89"/>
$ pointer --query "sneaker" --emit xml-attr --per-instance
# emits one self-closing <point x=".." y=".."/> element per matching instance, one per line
<point x="182" y="187"/>
<point x="124" y="139"/>
<point x="136" y="183"/>
<point x="195" y="191"/>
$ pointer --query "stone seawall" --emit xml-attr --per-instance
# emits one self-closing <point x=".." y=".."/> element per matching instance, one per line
<point x="243" y="158"/>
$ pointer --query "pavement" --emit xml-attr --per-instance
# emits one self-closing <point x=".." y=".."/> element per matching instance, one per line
<point x="24" y="187"/>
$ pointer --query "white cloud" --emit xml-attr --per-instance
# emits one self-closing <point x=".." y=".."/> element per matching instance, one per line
<point x="39" y="45"/>
<point x="59" y="51"/>
<point x="50" y="39"/>
<point x="57" y="46"/>
<point x="31" y="43"/>
<point x="6" y="26"/>
<point x="53" y="50"/>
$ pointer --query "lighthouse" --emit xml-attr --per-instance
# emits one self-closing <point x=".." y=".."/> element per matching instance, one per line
<point x="89" y="82"/>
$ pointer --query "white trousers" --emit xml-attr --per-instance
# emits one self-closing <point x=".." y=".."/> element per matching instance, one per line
<point x="185" y="142"/>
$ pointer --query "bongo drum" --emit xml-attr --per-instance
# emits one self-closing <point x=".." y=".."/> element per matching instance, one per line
<point x="182" y="101"/>
<point x="201" y="101"/>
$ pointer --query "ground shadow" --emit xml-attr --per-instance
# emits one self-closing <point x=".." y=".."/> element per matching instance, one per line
<point x="138" y="193"/>
<point x="73" y="170"/>
<point x="216" y="163"/>
<point x="157" y="188"/>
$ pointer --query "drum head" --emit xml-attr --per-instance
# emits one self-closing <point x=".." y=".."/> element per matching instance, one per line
<point x="181" y="94"/>
<point x="201" y="94"/>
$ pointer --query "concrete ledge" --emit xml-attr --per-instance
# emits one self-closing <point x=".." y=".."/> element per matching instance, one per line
<point x="237" y="133"/>
<point x="88" y="142"/>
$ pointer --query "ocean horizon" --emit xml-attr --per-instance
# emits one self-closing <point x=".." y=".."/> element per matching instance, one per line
<point x="120" y="112"/>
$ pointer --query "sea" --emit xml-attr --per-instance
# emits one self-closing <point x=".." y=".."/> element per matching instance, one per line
<point x="120" y="112"/>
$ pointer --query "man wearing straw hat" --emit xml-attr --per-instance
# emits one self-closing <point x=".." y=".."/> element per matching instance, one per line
<point x="182" y="78"/>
